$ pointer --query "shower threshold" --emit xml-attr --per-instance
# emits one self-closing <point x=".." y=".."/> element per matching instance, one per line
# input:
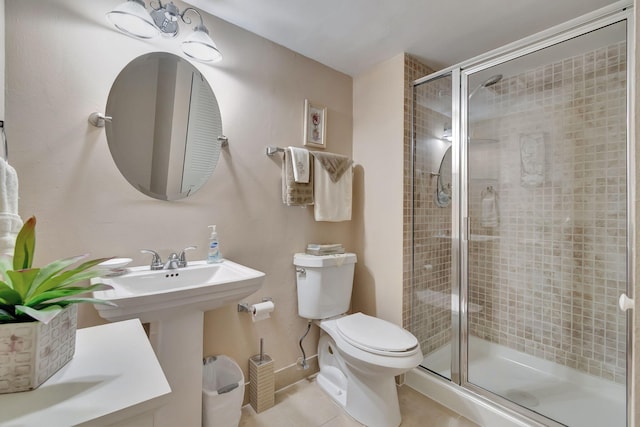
<point x="558" y="392"/>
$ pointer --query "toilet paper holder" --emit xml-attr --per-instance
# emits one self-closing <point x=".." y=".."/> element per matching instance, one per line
<point x="245" y="307"/>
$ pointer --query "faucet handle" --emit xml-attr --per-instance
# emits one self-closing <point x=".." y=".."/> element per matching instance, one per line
<point x="156" y="261"/>
<point x="183" y="256"/>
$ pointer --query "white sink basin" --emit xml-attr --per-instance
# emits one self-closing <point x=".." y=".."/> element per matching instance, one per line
<point x="154" y="295"/>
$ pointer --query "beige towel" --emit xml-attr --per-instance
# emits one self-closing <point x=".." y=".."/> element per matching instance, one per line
<point x="332" y="180"/>
<point x="294" y="193"/>
<point x="334" y="164"/>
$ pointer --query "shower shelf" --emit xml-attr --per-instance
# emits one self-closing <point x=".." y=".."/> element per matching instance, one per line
<point x="483" y="238"/>
<point x="443" y="301"/>
<point x="482" y="141"/>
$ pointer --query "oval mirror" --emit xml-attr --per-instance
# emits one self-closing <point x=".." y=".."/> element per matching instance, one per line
<point x="165" y="132"/>
<point x="443" y="186"/>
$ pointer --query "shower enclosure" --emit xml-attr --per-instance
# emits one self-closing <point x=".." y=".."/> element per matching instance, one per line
<point x="522" y="225"/>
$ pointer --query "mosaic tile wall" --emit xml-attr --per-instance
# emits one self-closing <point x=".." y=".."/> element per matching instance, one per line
<point x="413" y="69"/>
<point x="431" y="293"/>
<point x="548" y="283"/>
<point x="545" y="278"/>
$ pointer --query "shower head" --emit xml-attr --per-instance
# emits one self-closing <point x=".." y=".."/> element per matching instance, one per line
<point x="492" y="80"/>
<point x="487" y="83"/>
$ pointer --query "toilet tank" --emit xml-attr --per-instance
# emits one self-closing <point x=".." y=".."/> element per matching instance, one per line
<point x="324" y="284"/>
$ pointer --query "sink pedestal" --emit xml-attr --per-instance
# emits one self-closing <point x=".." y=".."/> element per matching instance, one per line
<point x="177" y="342"/>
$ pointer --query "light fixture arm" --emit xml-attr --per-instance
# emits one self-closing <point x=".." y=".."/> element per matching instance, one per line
<point x="160" y="6"/>
<point x="173" y="10"/>
<point x="186" y="20"/>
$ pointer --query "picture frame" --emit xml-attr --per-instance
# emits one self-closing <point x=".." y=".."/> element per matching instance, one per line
<point x="315" y="124"/>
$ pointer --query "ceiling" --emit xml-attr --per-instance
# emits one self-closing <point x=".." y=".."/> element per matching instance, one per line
<point x="353" y="35"/>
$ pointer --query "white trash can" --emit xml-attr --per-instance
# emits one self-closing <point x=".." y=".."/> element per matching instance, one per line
<point x="222" y="392"/>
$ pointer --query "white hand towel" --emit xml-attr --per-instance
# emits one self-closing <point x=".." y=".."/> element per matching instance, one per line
<point x="333" y="199"/>
<point x="489" y="216"/>
<point x="10" y="222"/>
<point x="300" y="161"/>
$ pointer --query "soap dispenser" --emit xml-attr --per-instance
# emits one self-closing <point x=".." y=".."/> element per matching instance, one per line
<point x="214" y="249"/>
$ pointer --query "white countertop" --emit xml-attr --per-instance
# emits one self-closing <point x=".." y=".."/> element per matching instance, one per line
<point x="113" y="375"/>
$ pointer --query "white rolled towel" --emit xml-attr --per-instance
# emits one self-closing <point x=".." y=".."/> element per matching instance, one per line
<point x="10" y="221"/>
<point x="10" y="225"/>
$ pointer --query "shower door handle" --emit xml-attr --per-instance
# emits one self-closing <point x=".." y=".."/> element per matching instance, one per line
<point x="625" y="302"/>
<point x="466" y="228"/>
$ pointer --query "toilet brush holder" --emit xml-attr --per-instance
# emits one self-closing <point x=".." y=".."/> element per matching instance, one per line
<point x="262" y="383"/>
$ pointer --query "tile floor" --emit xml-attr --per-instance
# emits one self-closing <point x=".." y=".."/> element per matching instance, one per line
<point x="304" y="404"/>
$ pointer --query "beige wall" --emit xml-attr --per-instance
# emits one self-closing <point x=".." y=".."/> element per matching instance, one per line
<point x="378" y="118"/>
<point x="62" y="57"/>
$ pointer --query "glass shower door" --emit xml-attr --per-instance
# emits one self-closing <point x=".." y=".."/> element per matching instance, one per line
<point x="433" y="320"/>
<point x="546" y="240"/>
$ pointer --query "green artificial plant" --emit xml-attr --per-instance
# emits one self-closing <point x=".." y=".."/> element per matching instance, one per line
<point x="30" y="294"/>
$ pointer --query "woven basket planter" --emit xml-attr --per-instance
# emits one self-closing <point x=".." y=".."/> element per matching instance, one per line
<point x="31" y="352"/>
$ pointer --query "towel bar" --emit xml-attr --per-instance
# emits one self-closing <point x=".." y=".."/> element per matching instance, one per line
<point x="5" y="154"/>
<point x="271" y="150"/>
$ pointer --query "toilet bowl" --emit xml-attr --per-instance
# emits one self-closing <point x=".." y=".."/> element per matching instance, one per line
<point x="359" y="357"/>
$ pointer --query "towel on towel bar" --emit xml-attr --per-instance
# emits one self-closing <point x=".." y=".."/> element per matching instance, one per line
<point x="300" y="162"/>
<point x="332" y="180"/>
<point x="334" y="164"/>
<point x="10" y="222"/>
<point x="489" y="208"/>
<point x="295" y="193"/>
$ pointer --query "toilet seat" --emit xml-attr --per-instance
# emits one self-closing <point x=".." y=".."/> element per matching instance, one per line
<point x="375" y="335"/>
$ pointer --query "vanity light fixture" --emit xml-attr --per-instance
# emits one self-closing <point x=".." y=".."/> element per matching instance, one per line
<point x="132" y="18"/>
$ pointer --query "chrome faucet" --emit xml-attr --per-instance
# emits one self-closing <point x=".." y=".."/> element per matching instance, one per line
<point x="173" y="262"/>
<point x="156" y="261"/>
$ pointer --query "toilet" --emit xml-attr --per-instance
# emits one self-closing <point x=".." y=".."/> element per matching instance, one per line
<point x="359" y="355"/>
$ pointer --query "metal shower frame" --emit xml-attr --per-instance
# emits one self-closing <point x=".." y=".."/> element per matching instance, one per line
<point x="617" y="12"/>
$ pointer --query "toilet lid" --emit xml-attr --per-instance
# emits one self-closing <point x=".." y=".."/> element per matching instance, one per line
<point x="370" y="333"/>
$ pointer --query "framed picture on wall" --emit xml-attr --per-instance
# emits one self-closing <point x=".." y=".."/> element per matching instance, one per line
<point x="315" y="124"/>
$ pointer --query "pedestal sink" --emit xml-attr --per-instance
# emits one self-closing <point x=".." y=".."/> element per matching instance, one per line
<point x="159" y="294"/>
<point x="173" y="302"/>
